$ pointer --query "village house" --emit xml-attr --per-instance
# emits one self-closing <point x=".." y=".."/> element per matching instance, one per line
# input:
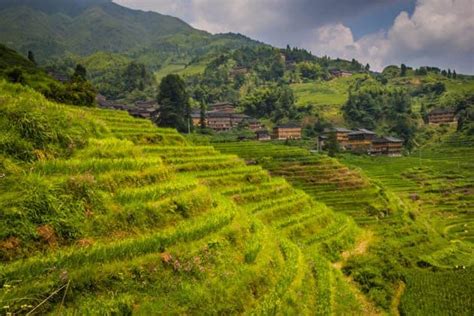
<point x="342" y="134"/>
<point x="360" y="140"/>
<point x="144" y="109"/>
<point x="388" y="146"/>
<point x="340" y="73"/>
<point x="253" y="124"/>
<point x="108" y="104"/>
<point x="196" y="118"/>
<point x="222" y="117"/>
<point x="263" y="135"/>
<point x="288" y="131"/>
<point x="222" y="107"/>
<point x="239" y="71"/>
<point x="221" y="121"/>
<point x="442" y="116"/>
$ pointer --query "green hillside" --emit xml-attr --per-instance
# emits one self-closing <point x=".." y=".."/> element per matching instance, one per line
<point x="418" y="209"/>
<point x="112" y="204"/>
<point x="60" y="27"/>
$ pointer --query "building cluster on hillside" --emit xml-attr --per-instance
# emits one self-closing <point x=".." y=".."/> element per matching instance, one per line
<point x="442" y="116"/>
<point x="363" y="141"/>
<point x="222" y="117"/>
<point x="141" y="109"/>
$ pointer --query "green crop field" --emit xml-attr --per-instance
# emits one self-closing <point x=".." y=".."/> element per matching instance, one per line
<point x="322" y="177"/>
<point x="420" y="207"/>
<point x="326" y="96"/>
<point x="111" y="215"/>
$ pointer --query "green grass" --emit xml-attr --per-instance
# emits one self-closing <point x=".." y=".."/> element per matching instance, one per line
<point x="419" y="209"/>
<point x="326" y="96"/>
<point x="438" y="293"/>
<point x="163" y="224"/>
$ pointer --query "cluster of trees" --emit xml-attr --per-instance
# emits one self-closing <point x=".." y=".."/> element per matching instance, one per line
<point x="276" y="103"/>
<point x="77" y="91"/>
<point x="175" y="110"/>
<point x="387" y="110"/>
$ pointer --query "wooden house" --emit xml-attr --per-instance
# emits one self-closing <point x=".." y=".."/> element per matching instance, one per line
<point x="442" y="116"/>
<point x="196" y="118"/>
<point x="288" y="131"/>
<point x="239" y="71"/>
<point x="340" y="73"/>
<point x="222" y="107"/>
<point x="263" y="135"/>
<point x="144" y="109"/>
<point x="360" y="140"/>
<point x="253" y="124"/>
<point x="388" y="146"/>
<point x="221" y="121"/>
<point x="342" y="134"/>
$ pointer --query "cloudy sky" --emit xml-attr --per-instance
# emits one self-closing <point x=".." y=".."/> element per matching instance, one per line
<point x="378" y="32"/>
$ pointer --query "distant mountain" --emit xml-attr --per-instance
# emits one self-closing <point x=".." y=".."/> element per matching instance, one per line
<point x="56" y="28"/>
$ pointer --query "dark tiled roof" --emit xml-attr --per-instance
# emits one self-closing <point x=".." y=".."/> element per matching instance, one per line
<point x="361" y="131"/>
<point x="442" y="111"/>
<point x="387" y="139"/>
<point x="289" y="125"/>
<point x="337" y="129"/>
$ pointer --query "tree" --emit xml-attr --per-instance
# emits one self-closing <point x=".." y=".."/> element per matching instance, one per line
<point x="202" y="116"/>
<point x="465" y="112"/>
<point x="174" y="103"/>
<point x="367" y="67"/>
<point x="454" y="74"/>
<point x="403" y="70"/>
<point x="31" y="57"/>
<point x="333" y="145"/>
<point x="449" y="73"/>
<point x="136" y="77"/>
<point x="80" y="73"/>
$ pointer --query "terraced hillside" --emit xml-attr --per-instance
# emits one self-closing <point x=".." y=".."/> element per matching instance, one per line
<point x="438" y="183"/>
<point x="322" y="177"/>
<point x="437" y="186"/>
<point x="103" y="213"/>
<point x="420" y="211"/>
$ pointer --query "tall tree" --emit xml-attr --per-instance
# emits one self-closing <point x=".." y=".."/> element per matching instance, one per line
<point x="80" y="73"/>
<point x="174" y="103"/>
<point x="31" y="57"/>
<point x="403" y="70"/>
<point x="332" y="145"/>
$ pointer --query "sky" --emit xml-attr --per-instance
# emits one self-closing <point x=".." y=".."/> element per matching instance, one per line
<point x="379" y="32"/>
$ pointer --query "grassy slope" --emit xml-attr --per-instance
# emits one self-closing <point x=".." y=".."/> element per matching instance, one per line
<point x="34" y="76"/>
<point x="436" y="185"/>
<point x="378" y="196"/>
<point x="115" y="215"/>
<point x="329" y="96"/>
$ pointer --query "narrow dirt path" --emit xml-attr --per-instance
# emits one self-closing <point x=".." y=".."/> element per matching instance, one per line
<point x="359" y="249"/>
<point x="396" y="299"/>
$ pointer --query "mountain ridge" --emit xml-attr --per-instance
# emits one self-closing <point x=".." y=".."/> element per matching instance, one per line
<point x="55" y="28"/>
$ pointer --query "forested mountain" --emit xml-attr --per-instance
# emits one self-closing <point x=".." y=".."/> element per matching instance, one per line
<point x="55" y="28"/>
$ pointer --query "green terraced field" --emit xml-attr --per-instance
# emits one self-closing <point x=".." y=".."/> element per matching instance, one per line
<point x="379" y="192"/>
<point x="326" y="96"/>
<point x="137" y="220"/>
<point x="322" y="177"/>
<point x="437" y="183"/>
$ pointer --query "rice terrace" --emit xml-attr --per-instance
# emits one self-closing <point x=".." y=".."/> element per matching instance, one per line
<point x="236" y="157"/>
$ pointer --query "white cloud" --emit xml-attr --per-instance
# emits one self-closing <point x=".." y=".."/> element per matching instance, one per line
<point x="439" y="32"/>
